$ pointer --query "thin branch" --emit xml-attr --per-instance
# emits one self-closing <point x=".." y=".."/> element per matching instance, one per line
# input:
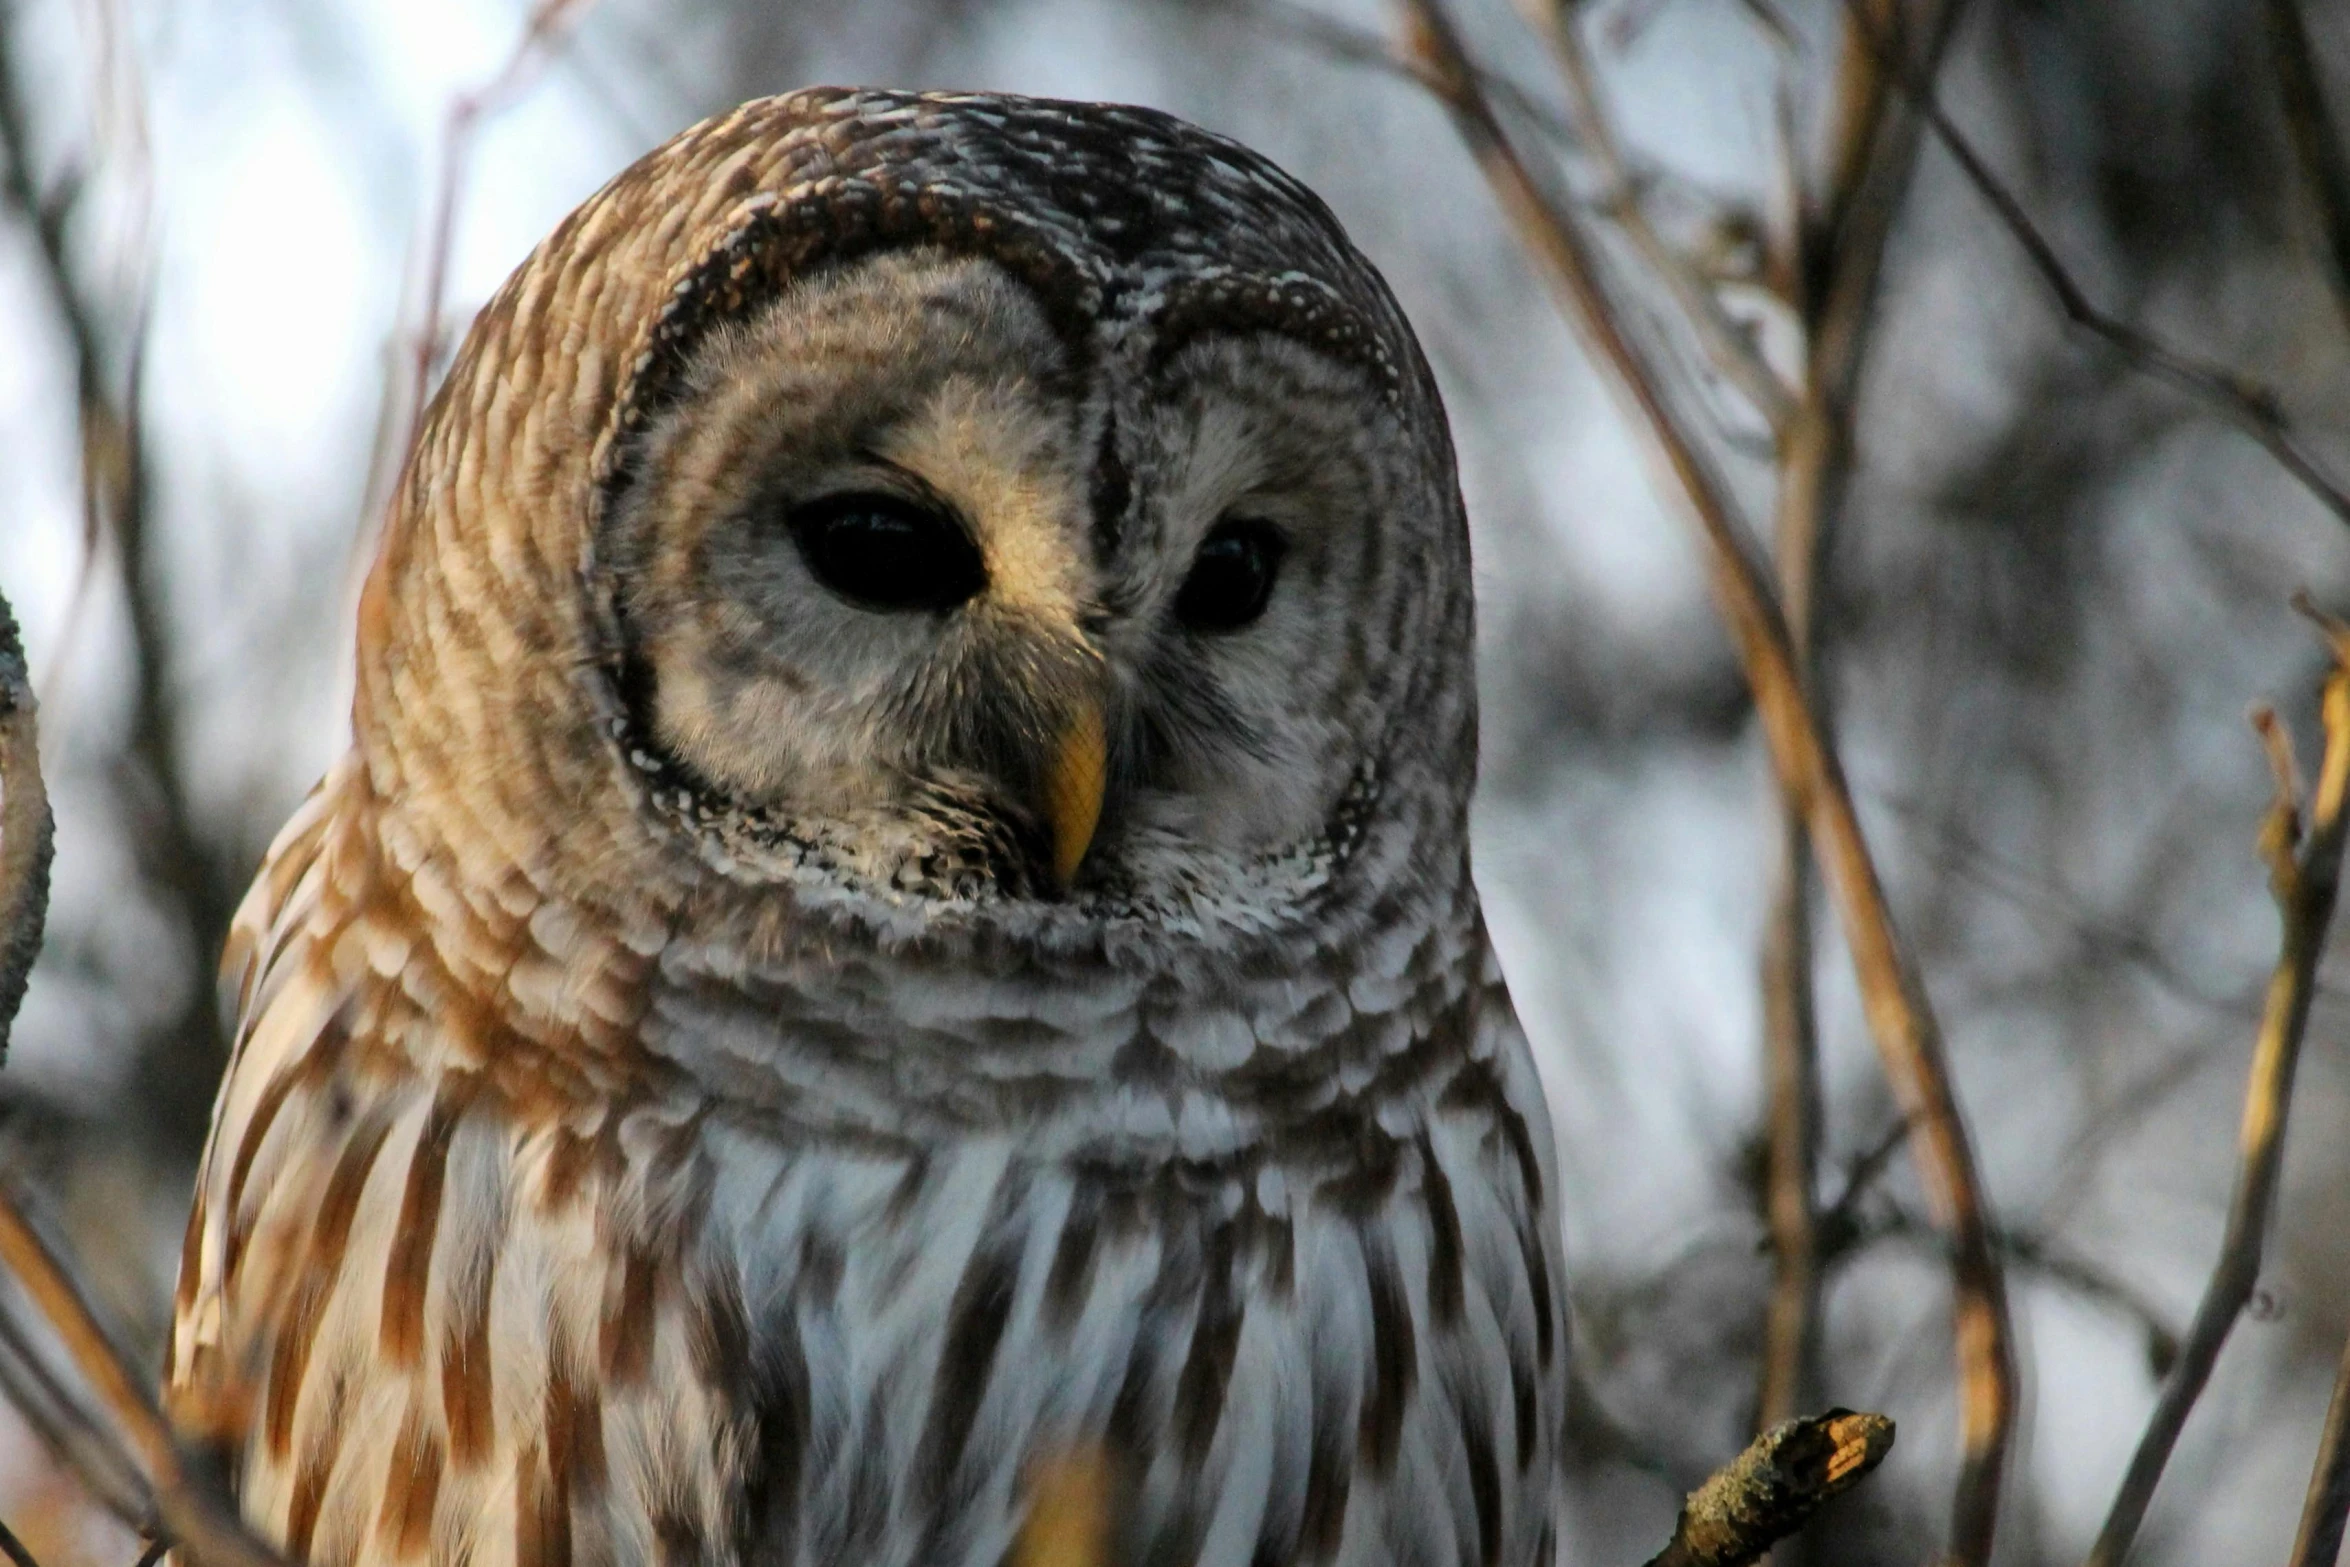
<point x="2304" y="869"/>
<point x="1353" y="44"/>
<point x="68" y="1430"/>
<point x="204" y="1526"/>
<point x="1840" y="242"/>
<point x="2318" y="1543"/>
<point x="467" y="112"/>
<point x="1774" y="1487"/>
<point x="2250" y="405"/>
<point x="1899" y="1014"/>
<point x="1792" y="1082"/>
<point x="2029" y="1253"/>
<point x="178" y="1062"/>
<point x="1727" y="343"/>
<point x="14" y="1549"/>
<point x="2317" y="140"/>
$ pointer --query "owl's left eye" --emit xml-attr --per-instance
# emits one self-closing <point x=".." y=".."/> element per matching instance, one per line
<point x="1231" y="578"/>
<point x="887" y="553"/>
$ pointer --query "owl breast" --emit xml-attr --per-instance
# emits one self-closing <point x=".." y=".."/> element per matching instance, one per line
<point x="718" y="1314"/>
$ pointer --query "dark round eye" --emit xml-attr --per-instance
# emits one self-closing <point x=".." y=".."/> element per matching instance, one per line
<point x="885" y="552"/>
<point x="1232" y="577"/>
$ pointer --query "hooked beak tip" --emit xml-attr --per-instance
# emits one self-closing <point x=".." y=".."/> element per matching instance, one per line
<point x="1073" y="794"/>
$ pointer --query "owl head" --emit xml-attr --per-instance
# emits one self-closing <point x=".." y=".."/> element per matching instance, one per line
<point x="933" y="502"/>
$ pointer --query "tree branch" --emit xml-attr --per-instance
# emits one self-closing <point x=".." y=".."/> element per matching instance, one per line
<point x="1728" y="344"/>
<point x="2304" y="870"/>
<point x="2318" y="1543"/>
<point x="204" y="1526"/>
<point x="1841" y="241"/>
<point x="2251" y="406"/>
<point x="411" y="392"/>
<point x="180" y="1062"/>
<point x="1774" y="1487"/>
<point x="1900" y="1017"/>
<point x="2317" y="140"/>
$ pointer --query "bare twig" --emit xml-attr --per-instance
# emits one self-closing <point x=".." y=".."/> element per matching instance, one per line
<point x="2317" y="140"/>
<point x="1727" y="343"/>
<point x="2028" y="1253"/>
<point x="181" y="1060"/>
<point x="1900" y="1016"/>
<point x="203" y="1525"/>
<point x="1352" y="44"/>
<point x="68" y="1430"/>
<point x="1792" y="1083"/>
<point x="427" y="335"/>
<point x="14" y="1549"/>
<point x="1773" y="1488"/>
<point x="1841" y="238"/>
<point x="2319" y="1540"/>
<point x="2251" y="406"/>
<point x="2305" y="859"/>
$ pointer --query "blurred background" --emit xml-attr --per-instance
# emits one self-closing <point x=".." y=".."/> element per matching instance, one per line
<point x="235" y="233"/>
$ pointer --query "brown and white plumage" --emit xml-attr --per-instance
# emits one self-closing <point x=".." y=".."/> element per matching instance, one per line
<point x="727" y="1073"/>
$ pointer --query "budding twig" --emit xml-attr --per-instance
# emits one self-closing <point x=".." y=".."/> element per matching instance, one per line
<point x="2302" y="841"/>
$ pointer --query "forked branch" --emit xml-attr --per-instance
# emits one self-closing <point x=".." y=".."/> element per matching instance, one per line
<point x="1900" y="1017"/>
<point x="2302" y="842"/>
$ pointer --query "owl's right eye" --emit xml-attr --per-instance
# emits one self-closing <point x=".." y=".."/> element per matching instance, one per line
<point x="886" y="552"/>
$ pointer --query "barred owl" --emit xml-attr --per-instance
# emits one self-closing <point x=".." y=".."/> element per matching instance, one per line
<point x="899" y="904"/>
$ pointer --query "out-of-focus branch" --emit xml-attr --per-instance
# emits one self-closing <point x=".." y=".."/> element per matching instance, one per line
<point x="1900" y="1017"/>
<point x="2305" y="860"/>
<point x="1727" y="344"/>
<point x="1846" y="1236"/>
<point x="2318" y="1543"/>
<point x="40" y="1398"/>
<point x="427" y="336"/>
<point x="182" y="1060"/>
<point x="2317" y="140"/>
<point x="1841" y="237"/>
<point x="2250" y="405"/>
<point x="27" y="834"/>
<point x="1345" y="41"/>
<point x="203" y="1524"/>
<point x="1774" y="1487"/>
<point x="26" y="845"/>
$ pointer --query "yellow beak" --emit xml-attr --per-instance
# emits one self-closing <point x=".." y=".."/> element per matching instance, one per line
<point x="1073" y="789"/>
